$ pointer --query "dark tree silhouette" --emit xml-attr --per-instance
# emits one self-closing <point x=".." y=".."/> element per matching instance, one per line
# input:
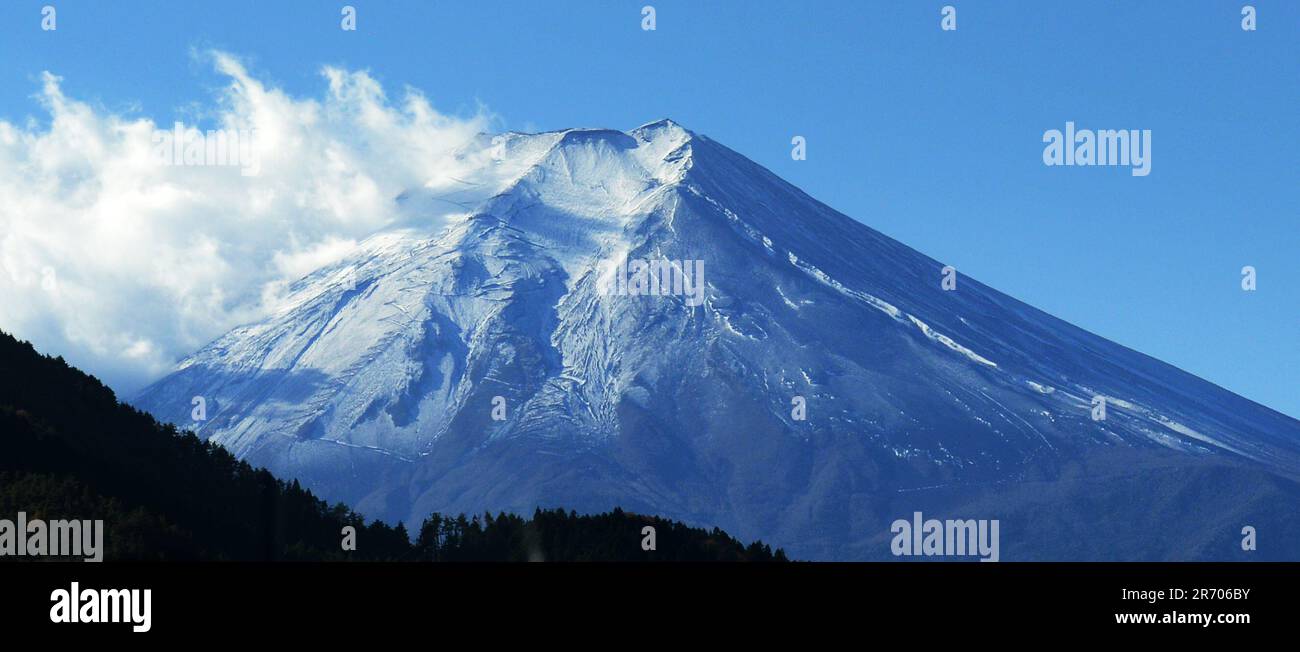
<point x="70" y="450"/>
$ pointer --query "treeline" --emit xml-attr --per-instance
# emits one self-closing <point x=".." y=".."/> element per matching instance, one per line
<point x="554" y="535"/>
<point x="70" y="450"/>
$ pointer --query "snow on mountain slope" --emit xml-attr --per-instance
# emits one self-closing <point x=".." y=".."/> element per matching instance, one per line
<point x="375" y="380"/>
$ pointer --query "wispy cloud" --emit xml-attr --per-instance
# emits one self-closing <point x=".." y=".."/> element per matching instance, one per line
<point x="123" y="264"/>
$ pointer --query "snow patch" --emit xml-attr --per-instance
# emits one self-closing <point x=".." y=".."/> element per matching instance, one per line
<point x="1041" y="389"/>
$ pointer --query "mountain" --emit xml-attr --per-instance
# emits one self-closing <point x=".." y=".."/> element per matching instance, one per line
<point x="378" y="378"/>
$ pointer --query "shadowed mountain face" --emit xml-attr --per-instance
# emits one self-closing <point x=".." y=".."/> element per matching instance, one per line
<point x="514" y="360"/>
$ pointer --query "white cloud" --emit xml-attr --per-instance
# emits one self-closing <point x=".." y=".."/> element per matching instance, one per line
<point x="122" y="264"/>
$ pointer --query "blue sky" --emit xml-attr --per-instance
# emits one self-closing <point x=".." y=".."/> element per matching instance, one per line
<point x="931" y="137"/>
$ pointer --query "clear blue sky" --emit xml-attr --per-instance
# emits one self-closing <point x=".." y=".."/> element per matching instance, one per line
<point x="931" y="137"/>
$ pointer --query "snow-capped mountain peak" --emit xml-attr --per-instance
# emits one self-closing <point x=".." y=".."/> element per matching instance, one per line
<point x="511" y="355"/>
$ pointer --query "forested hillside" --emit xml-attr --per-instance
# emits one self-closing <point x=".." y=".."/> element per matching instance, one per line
<point x="70" y="450"/>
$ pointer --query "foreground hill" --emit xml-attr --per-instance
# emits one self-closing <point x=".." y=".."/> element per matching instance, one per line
<point x="70" y="450"/>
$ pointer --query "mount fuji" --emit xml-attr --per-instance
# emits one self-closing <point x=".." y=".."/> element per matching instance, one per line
<point x="824" y="385"/>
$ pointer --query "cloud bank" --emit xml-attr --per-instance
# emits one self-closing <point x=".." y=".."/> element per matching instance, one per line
<point x="122" y="264"/>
